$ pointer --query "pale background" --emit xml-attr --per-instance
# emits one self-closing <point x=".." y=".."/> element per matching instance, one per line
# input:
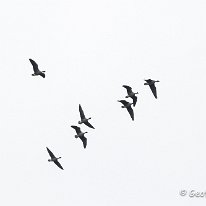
<point x="89" y="49"/>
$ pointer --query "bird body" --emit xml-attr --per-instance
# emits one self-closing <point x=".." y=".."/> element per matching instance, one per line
<point x="131" y="94"/>
<point x="152" y="86"/>
<point x="84" y="120"/>
<point x="36" y="69"/>
<point x="150" y="81"/>
<point x="80" y="134"/>
<point x="127" y="105"/>
<point x="54" y="159"/>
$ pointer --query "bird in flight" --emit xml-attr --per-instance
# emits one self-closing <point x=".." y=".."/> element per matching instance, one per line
<point x="36" y="69"/>
<point x="131" y="94"/>
<point x="127" y="105"/>
<point x="80" y="134"/>
<point x="151" y="84"/>
<point x="54" y="159"/>
<point x="83" y="118"/>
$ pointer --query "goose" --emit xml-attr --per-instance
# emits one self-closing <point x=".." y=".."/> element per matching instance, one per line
<point x="83" y="118"/>
<point x="131" y="94"/>
<point x="54" y="159"/>
<point x="151" y="84"/>
<point x="36" y="69"/>
<point x="127" y="105"/>
<point x="80" y="134"/>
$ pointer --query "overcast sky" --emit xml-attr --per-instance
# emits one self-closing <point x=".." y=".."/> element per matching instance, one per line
<point x="89" y="49"/>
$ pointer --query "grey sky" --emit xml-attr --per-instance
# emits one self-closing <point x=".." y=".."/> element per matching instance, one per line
<point x="89" y="49"/>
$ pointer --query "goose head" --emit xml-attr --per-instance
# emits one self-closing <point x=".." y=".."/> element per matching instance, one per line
<point x="76" y="136"/>
<point x="79" y="122"/>
<point x="49" y="160"/>
<point x="85" y="132"/>
<point x="89" y="118"/>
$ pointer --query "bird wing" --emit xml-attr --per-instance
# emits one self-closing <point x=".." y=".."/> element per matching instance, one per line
<point x="78" y="130"/>
<point x="88" y="124"/>
<point x="58" y="164"/>
<point x="154" y="91"/>
<point x="42" y="74"/>
<point x="81" y="112"/>
<point x="123" y="102"/>
<point x="134" y="100"/>
<point x="50" y="153"/>
<point x="131" y="112"/>
<point x="129" y="89"/>
<point x="84" y="140"/>
<point x="35" y="65"/>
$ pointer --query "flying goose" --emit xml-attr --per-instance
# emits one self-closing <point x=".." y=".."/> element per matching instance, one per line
<point x="151" y="84"/>
<point x="36" y="69"/>
<point x="80" y="134"/>
<point x="128" y="106"/>
<point x="54" y="159"/>
<point x="83" y="118"/>
<point x="131" y="94"/>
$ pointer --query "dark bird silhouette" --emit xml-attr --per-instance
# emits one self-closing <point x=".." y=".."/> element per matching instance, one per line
<point x="131" y="94"/>
<point x="54" y="159"/>
<point x="83" y="118"/>
<point x="80" y="134"/>
<point x="127" y="105"/>
<point x="151" y="84"/>
<point x="36" y="69"/>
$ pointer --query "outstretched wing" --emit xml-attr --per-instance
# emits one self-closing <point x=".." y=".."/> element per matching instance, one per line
<point x="42" y="74"/>
<point x="134" y="100"/>
<point x="129" y="89"/>
<point x="88" y="124"/>
<point x="123" y="102"/>
<point x="35" y="65"/>
<point x="131" y="112"/>
<point x="50" y="153"/>
<point x="154" y="91"/>
<point x="81" y="112"/>
<point x="84" y="140"/>
<point x="78" y="130"/>
<point x="58" y="164"/>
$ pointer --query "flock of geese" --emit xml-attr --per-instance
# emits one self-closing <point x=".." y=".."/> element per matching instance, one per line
<point x="84" y="120"/>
